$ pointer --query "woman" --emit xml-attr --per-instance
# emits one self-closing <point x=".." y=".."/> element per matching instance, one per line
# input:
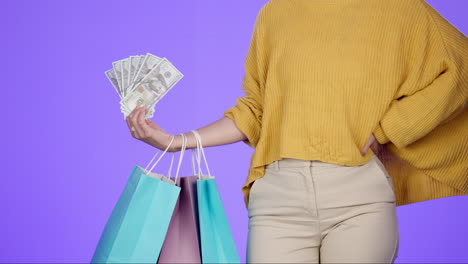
<point x="325" y="81"/>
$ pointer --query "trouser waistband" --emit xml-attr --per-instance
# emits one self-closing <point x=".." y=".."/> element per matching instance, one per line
<point x="292" y="163"/>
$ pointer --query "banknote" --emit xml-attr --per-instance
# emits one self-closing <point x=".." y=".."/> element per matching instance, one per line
<point x="117" y="66"/>
<point x="149" y="62"/>
<point x="142" y="80"/>
<point x="111" y="76"/>
<point x="125" y="72"/>
<point x="140" y="63"/>
<point x="134" y="62"/>
<point x="127" y="112"/>
<point x="159" y="80"/>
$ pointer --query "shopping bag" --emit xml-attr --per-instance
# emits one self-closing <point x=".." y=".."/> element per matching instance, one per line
<point x="182" y="244"/>
<point x="217" y="243"/>
<point x="138" y="224"/>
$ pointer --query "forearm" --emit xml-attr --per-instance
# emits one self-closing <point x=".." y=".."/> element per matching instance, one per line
<point x="221" y="132"/>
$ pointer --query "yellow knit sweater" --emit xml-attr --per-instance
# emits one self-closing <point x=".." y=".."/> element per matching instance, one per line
<point x="322" y="75"/>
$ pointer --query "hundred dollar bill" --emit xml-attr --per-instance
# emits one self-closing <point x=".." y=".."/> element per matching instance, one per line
<point x="153" y="86"/>
<point x="125" y="72"/>
<point x="117" y="65"/>
<point x="149" y="62"/>
<point x="140" y="63"/>
<point x="134" y="61"/>
<point x="111" y="76"/>
<point x="127" y="112"/>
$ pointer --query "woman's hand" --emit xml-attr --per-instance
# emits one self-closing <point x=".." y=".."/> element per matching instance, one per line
<point x="148" y="131"/>
<point x="373" y="144"/>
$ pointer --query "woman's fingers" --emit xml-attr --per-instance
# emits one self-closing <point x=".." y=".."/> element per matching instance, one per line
<point x="130" y="116"/>
<point x="138" y="132"/>
<point x="366" y="146"/>
<point x="129" y="124"/>
<point x="376" y="146"/>
<point x="137" y="123"/>
<point x="143" y="128"/>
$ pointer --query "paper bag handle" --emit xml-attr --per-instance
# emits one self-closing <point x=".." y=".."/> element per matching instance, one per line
<point x="182" y="151"/>
<point x="200" y="148"/>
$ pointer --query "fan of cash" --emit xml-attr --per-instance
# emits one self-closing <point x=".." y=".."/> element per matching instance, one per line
<point x="142" y="80"/>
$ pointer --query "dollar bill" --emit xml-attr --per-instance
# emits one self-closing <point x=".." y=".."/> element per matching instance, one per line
<point x="142" y="80"/>
<point x="134" y="62"/>
<point x="111" y="76"/>
<point x="159" y="80"/>
<point x="140" y="64"/>
<point x="149" y="62"/>
<point x="127" y="112"/>
<point x="117" y="66"/>
<point x="125" y="75"/>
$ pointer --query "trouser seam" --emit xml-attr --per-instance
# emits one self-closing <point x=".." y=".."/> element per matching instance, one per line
<point x="315" y="199"/>
<point x="395" y="249"/>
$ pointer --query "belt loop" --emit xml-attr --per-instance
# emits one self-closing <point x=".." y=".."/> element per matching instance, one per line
<point x="277" y="164"/>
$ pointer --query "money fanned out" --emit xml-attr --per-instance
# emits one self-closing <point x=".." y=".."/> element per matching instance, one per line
<point x="142" y="80"/>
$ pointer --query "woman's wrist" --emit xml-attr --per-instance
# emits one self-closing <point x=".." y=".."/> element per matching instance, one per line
<point x="176" y="143"/>
<point x="163" y="141"/>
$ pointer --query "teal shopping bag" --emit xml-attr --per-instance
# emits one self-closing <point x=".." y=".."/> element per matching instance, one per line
<point x="217" y="243"/>
<point x="137" y="226"/>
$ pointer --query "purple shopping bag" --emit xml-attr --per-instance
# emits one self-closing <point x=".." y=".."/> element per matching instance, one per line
<point x="182" y="240"/>
<point x="182" y="243"/>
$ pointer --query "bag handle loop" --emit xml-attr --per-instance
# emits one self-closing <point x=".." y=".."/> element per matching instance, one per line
<point x="170" y="143"/>
<point x="182" y="151"/>
<point x="200" y="148"/>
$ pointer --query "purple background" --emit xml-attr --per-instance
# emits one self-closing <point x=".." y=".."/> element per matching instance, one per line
<point x="67" y="152"/>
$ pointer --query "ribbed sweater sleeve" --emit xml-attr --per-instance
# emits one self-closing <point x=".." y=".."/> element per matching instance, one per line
<point x="248" y="111"/>
<point x="436" y="89"/>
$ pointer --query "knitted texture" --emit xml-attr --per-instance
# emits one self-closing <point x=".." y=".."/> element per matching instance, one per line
<point x="322" y="75"/>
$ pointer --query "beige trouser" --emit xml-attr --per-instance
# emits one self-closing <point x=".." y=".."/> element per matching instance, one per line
<point x="304" y="211"/>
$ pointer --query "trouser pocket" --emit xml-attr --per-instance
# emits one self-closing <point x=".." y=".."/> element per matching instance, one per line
<point x="383" y="173"/>
<point x="278" y="192"/>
